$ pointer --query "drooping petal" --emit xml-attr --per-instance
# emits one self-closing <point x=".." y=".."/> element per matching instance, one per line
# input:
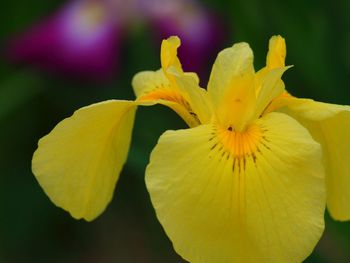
<point x="78" y="163"/>
<point x="329" y="124"/>
<point x="224" y="196"/>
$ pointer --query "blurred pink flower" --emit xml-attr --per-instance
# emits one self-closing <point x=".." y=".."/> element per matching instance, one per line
<point x="82" y="39"/>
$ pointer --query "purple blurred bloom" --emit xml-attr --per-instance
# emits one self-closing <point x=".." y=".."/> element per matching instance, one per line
<point x="200" y="31"/>
<point x="81" y="40"/>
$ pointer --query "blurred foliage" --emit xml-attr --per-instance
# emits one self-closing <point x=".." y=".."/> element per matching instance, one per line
<point x="32" y="229"/>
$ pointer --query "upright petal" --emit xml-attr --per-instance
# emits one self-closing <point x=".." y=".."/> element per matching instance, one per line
<point x="231" y="86"/>
<point x="230" y="64"/>
<point x="277" y="53"/>
<point x="172" y="87"/>
<point x="170" y="60"/>
<point x="79" y="161"/>
<point x="268" y="83"/>
<point x="168" y="53"/>
<point x="329" y="124"/>
<point x="271" y="86"/>
<point x="202" y="32"/>
<point x="225" y="196"/>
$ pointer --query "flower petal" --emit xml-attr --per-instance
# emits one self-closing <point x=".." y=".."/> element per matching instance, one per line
<point x="172" y="87"/>
<point x="223" y="196"/>
<point x="231" y="86"/>
<point x="329" y="124"/>
<point x="182" y="94"/>
<point x="201" y="31"/>
<point x="231" y="65"/>
<point x="277" y="53"/>
<point x="268" y="80"/>
<point x="152" y="87"/>
<point x="271" y="86"/>
<point x="146" y="81"/>
<point x="79" y="161"/>
<point x="168" y="53"/>
<point x="196" y="96"/>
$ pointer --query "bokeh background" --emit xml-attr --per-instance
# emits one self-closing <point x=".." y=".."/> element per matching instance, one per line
<point x="46" y="73"/>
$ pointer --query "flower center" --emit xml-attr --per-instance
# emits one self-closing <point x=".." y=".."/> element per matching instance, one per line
<point x="240" y="144"/>
<point x="241" y="147"/>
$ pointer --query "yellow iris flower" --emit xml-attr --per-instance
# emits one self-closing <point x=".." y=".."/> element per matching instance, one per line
<point x="247" y="181"/>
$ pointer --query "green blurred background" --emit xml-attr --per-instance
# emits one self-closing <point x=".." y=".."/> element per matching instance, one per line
<point x="32" y="229"/>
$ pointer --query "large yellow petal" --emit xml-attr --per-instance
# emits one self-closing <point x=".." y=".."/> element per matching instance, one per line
<point x="329" y="124"/>
<point x="79" y="161"/>
<point x="224" y="196"/>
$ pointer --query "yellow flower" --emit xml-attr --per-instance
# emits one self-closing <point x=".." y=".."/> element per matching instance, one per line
<point x="245" y="182"/>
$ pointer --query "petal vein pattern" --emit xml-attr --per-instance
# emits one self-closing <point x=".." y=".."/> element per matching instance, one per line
<point x="221" y="201"/>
